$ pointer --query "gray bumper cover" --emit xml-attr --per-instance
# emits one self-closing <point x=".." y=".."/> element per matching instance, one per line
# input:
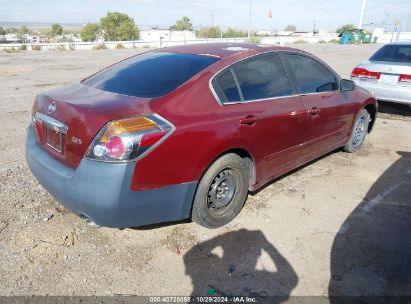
<point x="386" y="92"/>
<point x="101" y="191"/>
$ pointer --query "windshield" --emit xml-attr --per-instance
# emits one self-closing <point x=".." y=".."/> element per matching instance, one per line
<point x="393" y="53"/>
<point x="150" y="75"/>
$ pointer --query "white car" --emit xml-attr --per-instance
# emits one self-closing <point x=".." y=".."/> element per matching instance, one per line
<point x="387" y="74"/>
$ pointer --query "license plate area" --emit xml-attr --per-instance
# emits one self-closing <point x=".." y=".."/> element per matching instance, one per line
<point x="54" y="139"/>
<point x="389" y="78"/>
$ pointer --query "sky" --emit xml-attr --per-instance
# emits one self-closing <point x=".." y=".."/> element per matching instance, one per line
<point x="325" y="14"/>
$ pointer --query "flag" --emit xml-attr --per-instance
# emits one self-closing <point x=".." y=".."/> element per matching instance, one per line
<point x="270" y="15"/>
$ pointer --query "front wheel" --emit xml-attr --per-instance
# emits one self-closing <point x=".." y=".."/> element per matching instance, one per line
<point x="221" y="192"/>
<point x="359" y="132"/>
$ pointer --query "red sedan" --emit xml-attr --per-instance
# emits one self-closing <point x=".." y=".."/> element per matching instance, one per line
<point x="185" y="132"/>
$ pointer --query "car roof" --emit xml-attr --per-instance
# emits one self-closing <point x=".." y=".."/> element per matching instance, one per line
<point x="222" y="50"/>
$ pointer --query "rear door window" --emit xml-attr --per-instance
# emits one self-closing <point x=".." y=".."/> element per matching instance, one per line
<point x="226" y="87"/>
<point x="310" y="76"/>
<point x="262" y="77"/>
<point x="393" y="53"/>
<point x="150" y="75"/>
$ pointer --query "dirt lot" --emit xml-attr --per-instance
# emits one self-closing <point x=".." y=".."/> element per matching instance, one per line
<point x="337" y="226"/>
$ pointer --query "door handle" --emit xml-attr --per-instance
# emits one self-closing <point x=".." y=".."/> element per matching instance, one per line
<point x="249" y="120"/>
<point x="314" y="111"/>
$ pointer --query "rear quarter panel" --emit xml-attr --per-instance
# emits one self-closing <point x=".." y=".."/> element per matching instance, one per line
<point x="204" y="130"/>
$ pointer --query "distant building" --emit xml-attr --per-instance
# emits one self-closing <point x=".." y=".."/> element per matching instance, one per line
<point x="157" y="34"/>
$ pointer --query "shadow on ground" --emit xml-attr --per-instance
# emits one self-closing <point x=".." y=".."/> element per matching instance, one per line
<point x="371" y="254"/>
<point x="238" y="263"/>
<point x="394" y="108"/>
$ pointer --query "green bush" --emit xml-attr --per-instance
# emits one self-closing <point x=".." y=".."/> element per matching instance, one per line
<point x="300" y="41"/>
<point x="23" y="47"/>
<point x="100" y="47"/>
<point x="120" y="46"/>
<point x="255" y="39"/>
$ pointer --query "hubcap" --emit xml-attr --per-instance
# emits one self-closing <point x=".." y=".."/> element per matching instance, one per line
<point x="359" y="131"/>
<point x="221" y="191"/>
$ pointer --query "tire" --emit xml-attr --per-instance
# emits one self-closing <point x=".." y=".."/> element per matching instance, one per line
<point x="221" y="193"/>
<point x="358" y="132"/>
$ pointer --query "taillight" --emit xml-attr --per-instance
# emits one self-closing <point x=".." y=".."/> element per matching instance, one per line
<point x="405" y="78"/>
<point x="128" y="139"/>
<point x="365" y="74"/>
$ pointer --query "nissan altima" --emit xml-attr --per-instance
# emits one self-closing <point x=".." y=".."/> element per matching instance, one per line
<point x="187" y="131"/>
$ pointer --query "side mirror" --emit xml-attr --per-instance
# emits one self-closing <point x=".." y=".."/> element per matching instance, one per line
<point x="347" y="85"/>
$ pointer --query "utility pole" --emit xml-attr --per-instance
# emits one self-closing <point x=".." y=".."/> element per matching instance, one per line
<point x="405" y="21"/>
<point x="249" y="20"/>
<point x="362" y="14"/>
<point x="222" y="19"/>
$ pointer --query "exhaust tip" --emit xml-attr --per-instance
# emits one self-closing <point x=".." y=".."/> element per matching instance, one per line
<point x="91" y="223"/>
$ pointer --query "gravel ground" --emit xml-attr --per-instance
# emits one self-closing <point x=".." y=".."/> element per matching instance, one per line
<point x="312" y="232"/>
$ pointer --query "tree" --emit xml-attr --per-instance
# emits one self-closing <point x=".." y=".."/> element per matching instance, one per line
<point x="56" y="30"/>
<point x="118" y="27"/>
<point x="2" y="31"/>
<point x="12" y="30"/>
<point x="90" y="32"/>
<point x="346" y="27"/>
<point x="232" y="33"/>
<point x="184" y="24"/>
<point x="209" y="32"/>
<point x="24" y="30"/>
<point x="290" y="28"/>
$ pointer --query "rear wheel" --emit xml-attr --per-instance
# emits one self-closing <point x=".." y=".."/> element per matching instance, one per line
<point x="359" y="132"/>
<point x="221" y="193"/>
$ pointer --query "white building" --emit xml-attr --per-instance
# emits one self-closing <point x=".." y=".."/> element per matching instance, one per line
<point x="156" y="35"/>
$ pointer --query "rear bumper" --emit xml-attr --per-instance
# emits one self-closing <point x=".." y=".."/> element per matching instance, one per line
<point x="386" y="92"/>
<point x="101" y="191"/>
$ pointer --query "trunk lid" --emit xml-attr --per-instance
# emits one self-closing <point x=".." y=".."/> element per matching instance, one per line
<point x="387" y="73"/>
<point x="82" y="111"/>
<point x="388" y="67"/>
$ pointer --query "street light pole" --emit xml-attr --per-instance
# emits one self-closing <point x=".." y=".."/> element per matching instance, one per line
<point x="362" y="14"/>
<point x="222" y="19"/>
<point x="249" y="20"/>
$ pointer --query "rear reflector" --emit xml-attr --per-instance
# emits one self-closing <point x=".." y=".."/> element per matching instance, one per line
<point x="365" y="74"/>
<point x="133" y="124"/>
<point x="405" y="78"/>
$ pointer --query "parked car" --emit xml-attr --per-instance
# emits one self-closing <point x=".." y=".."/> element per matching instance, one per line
<point x="387" y="74"/>
<point x="185" y="132"/>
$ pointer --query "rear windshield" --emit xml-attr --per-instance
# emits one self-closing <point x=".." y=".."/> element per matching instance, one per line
<point x="152" y="74"/>
<point x="395" y="53"/>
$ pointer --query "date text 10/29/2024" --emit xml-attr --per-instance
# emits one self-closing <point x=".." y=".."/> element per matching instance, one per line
<point x="205" y="299"/>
